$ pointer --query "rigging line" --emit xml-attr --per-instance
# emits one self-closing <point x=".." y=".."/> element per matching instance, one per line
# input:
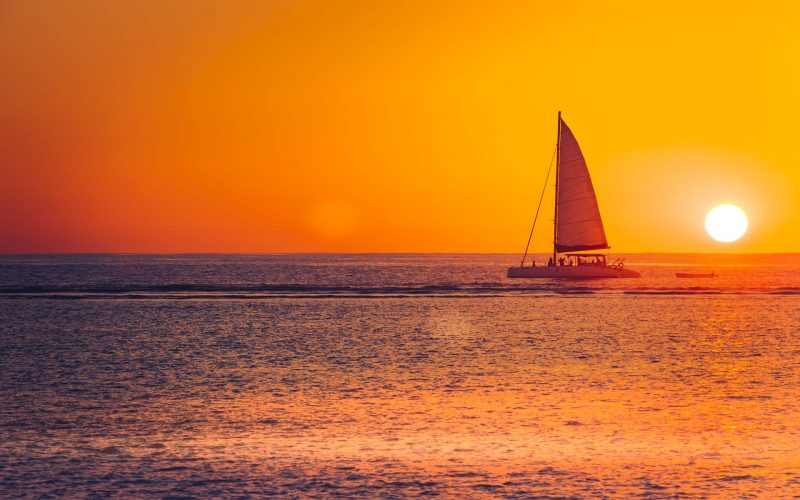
<point x="541" y="197"/>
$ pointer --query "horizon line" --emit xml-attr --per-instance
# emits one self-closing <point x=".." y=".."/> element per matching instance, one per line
<point x="2" y="254"/>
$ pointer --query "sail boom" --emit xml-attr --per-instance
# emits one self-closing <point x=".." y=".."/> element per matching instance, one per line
<point x="580" y="248"/>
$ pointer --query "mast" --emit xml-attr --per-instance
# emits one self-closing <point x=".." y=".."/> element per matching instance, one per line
<point x="558" y="169"/>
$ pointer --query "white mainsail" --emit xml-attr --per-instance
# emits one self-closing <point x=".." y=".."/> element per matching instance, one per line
<point x="579" y="226"/>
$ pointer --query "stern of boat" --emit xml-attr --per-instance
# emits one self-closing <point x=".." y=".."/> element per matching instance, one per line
<point x="629" y="273"/>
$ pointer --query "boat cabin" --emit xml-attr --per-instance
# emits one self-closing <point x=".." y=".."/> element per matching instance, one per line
<point x="583" y="259"/>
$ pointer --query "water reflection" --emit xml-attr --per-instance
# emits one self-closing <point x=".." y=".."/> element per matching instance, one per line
<point x="613" y="395"/>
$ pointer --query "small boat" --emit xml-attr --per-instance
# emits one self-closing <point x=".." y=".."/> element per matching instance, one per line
<point x="696" y="275"/>
<point x="577" y="226"/>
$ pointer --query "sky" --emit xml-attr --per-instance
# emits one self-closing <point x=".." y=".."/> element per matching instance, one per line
<point x="372" y="126"/>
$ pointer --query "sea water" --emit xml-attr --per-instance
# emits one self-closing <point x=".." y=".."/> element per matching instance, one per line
<point x="396" y="375"/>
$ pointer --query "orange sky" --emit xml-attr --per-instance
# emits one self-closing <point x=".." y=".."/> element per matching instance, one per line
<point x="293" y="126"/>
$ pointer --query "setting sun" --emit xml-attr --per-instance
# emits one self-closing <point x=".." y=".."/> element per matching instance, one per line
<point x="726" y="223"/>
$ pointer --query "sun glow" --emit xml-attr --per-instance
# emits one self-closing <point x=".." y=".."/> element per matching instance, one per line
<point x="726" y="223"/>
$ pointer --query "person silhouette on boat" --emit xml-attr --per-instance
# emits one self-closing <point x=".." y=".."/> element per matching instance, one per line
<point x="550" y="262"/>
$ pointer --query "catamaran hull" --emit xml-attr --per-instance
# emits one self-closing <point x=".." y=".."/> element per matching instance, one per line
<point x="575" y="272"/>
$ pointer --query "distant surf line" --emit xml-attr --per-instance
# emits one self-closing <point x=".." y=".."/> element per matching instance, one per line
<point x="297" y="291"/>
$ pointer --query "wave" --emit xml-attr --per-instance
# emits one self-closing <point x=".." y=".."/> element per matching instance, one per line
<point x="293" y="290"/>
<point x="283" y="289"/>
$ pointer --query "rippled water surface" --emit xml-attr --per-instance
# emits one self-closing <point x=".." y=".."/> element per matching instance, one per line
<point x="396" y="375"/>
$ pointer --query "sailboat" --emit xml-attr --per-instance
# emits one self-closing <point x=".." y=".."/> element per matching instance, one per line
<point x="577" y="226"/>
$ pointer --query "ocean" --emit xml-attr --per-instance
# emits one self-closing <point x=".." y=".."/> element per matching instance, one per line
<point x="180" y="376"/>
